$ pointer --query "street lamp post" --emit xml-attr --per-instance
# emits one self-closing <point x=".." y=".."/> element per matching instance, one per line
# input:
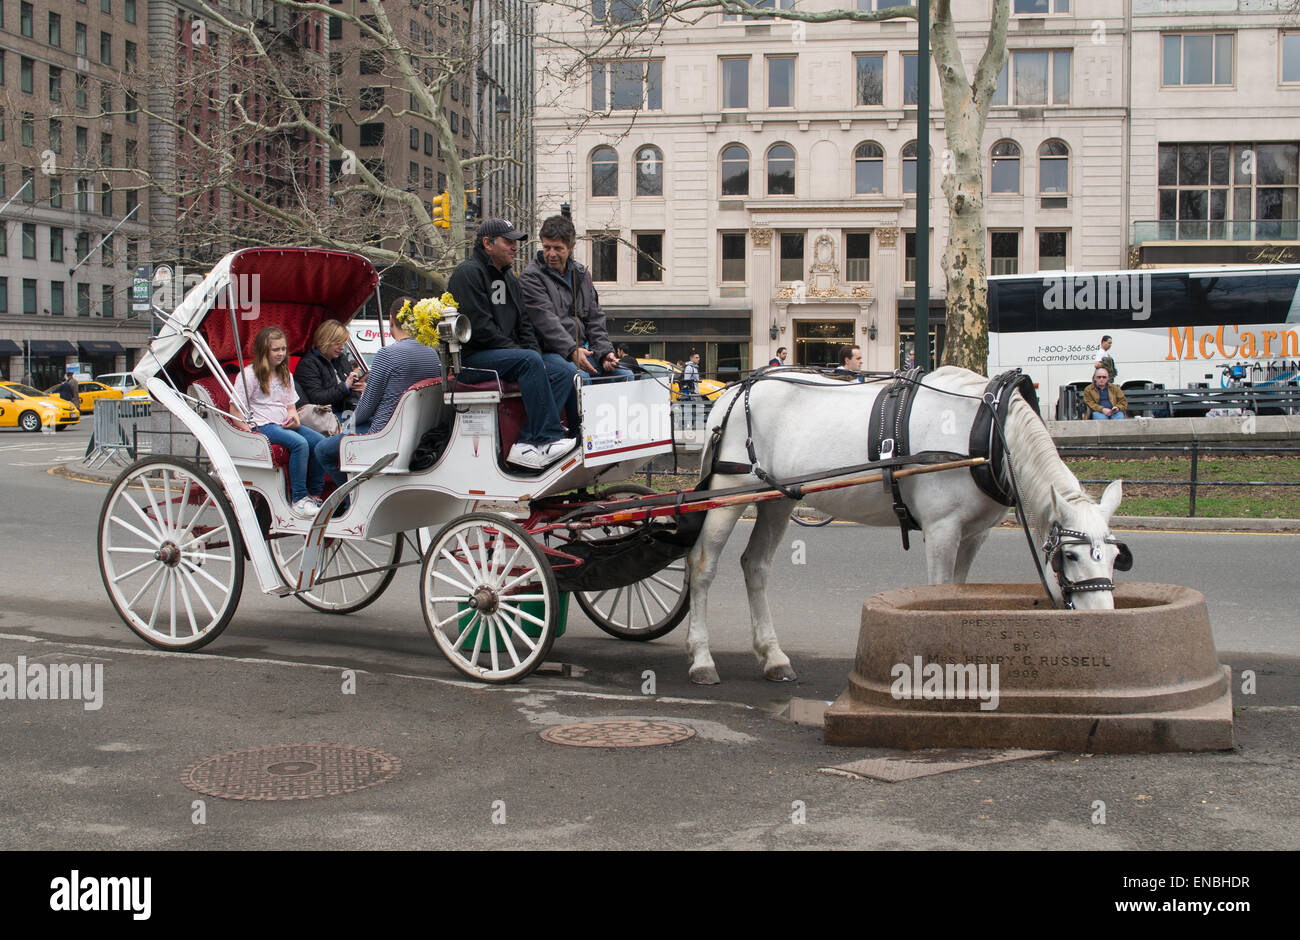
<point x="921" y="331"/>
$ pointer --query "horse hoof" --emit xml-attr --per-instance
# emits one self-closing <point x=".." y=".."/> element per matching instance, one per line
<point x="784" y="673"/>
<point x="705" y="675"/>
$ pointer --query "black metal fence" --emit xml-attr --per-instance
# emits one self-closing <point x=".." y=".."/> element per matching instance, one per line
<point x="1188" y="402"/>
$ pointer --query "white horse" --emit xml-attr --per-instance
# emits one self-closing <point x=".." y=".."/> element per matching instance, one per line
<point x="800" y="429"/>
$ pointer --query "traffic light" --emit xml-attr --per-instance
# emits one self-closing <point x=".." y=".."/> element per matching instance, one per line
<point x="442" y="210"/>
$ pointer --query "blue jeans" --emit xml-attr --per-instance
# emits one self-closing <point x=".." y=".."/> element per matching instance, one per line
<point x="618" y="375"/>
<point x="545" y="391"/>
<point x="327" y="453"/>
<point x="1113" y="416"/>
<point x="306" y="476"/>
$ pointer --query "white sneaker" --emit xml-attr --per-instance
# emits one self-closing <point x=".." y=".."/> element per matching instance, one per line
<point x="557" y="449"/>
<point x="527" y="456"/>
<point x="307" y="507"/>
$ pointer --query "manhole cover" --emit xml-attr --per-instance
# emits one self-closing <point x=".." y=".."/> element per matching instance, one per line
<point x="290" y="772"/>
<point x="631" y="733"/>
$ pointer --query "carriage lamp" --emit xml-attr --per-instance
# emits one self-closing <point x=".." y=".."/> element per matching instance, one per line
<point x="774" y="332"/>
<point x="454" y="330"/>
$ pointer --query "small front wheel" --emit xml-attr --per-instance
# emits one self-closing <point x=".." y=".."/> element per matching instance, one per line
<point x="489" y="598"/>
<point x="354" y="572"/>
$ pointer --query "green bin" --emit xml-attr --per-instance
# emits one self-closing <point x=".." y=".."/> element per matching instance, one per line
<point x="531" y="607"/>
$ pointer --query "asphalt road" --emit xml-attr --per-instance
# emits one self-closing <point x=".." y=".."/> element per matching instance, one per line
<point x="110" y="778"/>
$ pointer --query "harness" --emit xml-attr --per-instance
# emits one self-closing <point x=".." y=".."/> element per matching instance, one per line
<point x="1057" y="539"/>
<point x="985" y="441"/>
<point x="887" y="438"/>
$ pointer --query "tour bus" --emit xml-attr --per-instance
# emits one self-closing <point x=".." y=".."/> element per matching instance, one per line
<point x="1172" y="327"/>
<point x="365" y="336"/>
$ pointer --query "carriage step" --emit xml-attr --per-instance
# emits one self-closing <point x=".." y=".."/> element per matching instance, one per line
<point x="309" y="567"/>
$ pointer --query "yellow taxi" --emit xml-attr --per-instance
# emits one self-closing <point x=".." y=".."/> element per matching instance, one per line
<point x="663" y="370"/>
<point x="22" y="406"/>
<point x="88" y="393"/>
<point x="125" y="382"/>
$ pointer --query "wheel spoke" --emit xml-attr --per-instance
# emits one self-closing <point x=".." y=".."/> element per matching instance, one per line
<point x="189" y="609"/>
<point x="454" y="616"/>
<point x="207" y="501"/>
<point x="640" y="598"/>
<point x="144" y="587"/>
<point x="469" y="573"/>
<point x="613" y="604"/>
<point x="657" y="599"/>
<point x="527" y="640"/>
<point x="508" y="566"/>
<point x="526" y="576"/>
<point x="204" y="574"/>
<point x="452" y="581"/>
<point x="522" y="613"/>
<point x="505" y="637"/>
<point x="162" y="524"/>
<point x="199" y="591"/>
<point x="139" y="567"/>
<point x="492" y="643"/>
<point x="143" y="536"/>
<point x="131" y="551"/>
<point x="675" y="588"/>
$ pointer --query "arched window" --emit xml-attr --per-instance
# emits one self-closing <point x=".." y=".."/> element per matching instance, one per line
<point x="869" y="168"/>
<point x="735" y="170"/>
<point x="649" y="171"/>
<point x="780" y="170"/>
<point x="909" y="167"/>
<point x="1005" y="177"/>
<point x="1053" y="167"/>
<point x="604" y="172"/>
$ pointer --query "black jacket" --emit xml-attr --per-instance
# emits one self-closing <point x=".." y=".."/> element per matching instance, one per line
<point x="562" y="317"/>
<point x="321" y="382"/>
<point x="492" y="300"/>
<point x="68" y="391"/>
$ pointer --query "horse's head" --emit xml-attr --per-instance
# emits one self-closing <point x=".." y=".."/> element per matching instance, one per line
<point x="1080" y="555"/>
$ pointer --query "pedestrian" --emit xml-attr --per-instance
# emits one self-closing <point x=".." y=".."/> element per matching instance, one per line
<point x="265" y="396"/>
<point x="1104" y="358"/>
<point x="1105" y="401"/>
<point x="779" y="358"/>
<point x="850" y="361"/>
<point x="628" y="361"/>
<point x="690" y="384"/>
<point x="503" y="342"/>
<point x="564" y="308"/>
<point x="68" y="390"/>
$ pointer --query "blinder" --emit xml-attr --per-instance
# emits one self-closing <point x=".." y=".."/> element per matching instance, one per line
<point x="1057" y="538"/>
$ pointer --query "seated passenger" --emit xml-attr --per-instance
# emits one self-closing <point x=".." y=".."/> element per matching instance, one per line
<point x="324" y="376"/>
<point x="564" y="309"/>
<point x="1105" y="401"/>
<point x="503" y="341"/>
<point x="395" y="368"/>
<point x="265" y="395"/>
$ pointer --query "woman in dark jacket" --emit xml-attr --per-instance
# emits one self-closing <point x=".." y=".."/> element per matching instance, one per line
<point x="323" y="377"/>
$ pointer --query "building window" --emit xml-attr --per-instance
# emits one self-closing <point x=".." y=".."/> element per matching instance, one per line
<point x="26" y="71"/>
<point x="780" y="82"/>
<point x="413" y="173"/>
<point x="908" y="155"/>
<point x="56" y="243"/>
<point x="604" y="172"/>
<point x="106" y="102"/>
<point x="650" y="256"/>
<point x="1052" y="254"/>
<point x="442" y="182"/>
<point x="869" y="169"/>
<point x="733" y="257"/>
<point x="428" y="145"/>
<point x="735" y="170"/>
<point x="56" y="83"/>
<point x="106" y="251"/>
<point x="29" y="240"/>
<point x="105" y="6"/>
<point x="1053" y="167"/>
<point x="649" y="171"/>
<point x="130" y="11"/>
<point x="29" y="190"/>
<point x="4" y="241"/>
<point x="106" y="300"/>
<point x="56" y="298"/>
<point x="105" y="150"/>
<point x="1196" y="59"/>
<point x="336" y="28"/>
<point x="29" y="295"/>
<point x="1004" y="252"/>
<point x="372" y="135"/>
<point x="83" y="300"/>
<point x="604" y="256"/>
<point x="791" y="258"/>
<point x="129" y="106"/>
<point x="25" y="19"/>
<point x="1041" y="78"/>
<point x="106" y="48"/>
<point x="415" y="139"/>
<point x="1040" y="7"/>
<point x="79" y="39"/>
<point x="1254" y="184"/>
<point x="763" y="4"/>
<point x="56" y="135"/>
<point x="82" y="144"/>
<point x="735" y="83"/>
<point x="1290" y="57"/>
<point x="372" y="98"/>
<point x="870" y="79"/>
<point x="132" y="200"/>
<point x="911" y="90"/>
<point x="428" y="177"/>
<point x="106" y="199"/>
<point x="56" y="192"/>
<point x="780" y="170"/>
<point x="1005" y="177"/>
<point x="4" y="295"/>
<point x="857" y="256"/>
<point x="627" y="86"/>
<point x="371" y="62"/>
<point x="55" y="30"/>
<point x="909" y="257"/>
<point x="27" y="129"/>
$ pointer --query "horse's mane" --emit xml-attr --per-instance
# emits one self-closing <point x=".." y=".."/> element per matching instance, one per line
<point x="1038" y="467"/>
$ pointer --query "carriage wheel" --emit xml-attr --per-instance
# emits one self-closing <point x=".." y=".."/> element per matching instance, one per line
<point x="489" y="598"/>
<point x="351" y="561"/>
<point x="644" y="610"/>
<point x="170" y="553"/>
<point x="810" y="518"/>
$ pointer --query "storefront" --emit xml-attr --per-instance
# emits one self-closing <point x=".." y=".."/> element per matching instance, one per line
<point x="907" y="331"/>
<point x="100" y="355"/>
<point x="10" y="356"/>
<point x="721" y="337"/>
<point x="45" y="361"/>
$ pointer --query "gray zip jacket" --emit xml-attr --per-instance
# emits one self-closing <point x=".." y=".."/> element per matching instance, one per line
<point x="562" y="318"/>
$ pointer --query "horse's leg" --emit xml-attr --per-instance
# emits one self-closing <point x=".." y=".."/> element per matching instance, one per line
<point x="702" y="563"/>
<point x="966" y="553"/>
<point x="942" y="539"/>
<point x="756" y="562"/>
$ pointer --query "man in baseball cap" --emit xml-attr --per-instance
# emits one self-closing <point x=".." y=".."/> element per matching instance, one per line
<point x="503" y="342"/>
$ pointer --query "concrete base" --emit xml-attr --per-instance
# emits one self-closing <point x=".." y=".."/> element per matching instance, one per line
<point x="987" y="665"/>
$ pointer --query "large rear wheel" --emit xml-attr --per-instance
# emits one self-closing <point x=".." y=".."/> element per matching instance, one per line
<point x="170" y="553"/>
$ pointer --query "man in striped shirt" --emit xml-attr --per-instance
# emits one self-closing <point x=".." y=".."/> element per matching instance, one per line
<point x="395" y="368"/>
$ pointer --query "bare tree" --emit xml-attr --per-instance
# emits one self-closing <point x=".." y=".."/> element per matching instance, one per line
<point x="633" y="26"/>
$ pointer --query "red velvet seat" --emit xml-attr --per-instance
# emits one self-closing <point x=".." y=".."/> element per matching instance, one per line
<point x="279" y="454"/>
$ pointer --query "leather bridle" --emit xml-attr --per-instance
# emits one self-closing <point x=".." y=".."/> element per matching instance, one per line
<point x="1057" y="538"/>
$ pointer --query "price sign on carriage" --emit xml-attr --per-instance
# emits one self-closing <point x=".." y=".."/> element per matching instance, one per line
<point x="623" y="420"/>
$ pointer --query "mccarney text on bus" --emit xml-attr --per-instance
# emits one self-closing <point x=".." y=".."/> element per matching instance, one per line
<point x="1186" y="342"/>
<point x="1120" y="291"/>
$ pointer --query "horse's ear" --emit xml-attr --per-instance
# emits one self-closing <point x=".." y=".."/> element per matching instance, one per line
<point x="1057" y="505"/>
<point x="1111" y="497"/>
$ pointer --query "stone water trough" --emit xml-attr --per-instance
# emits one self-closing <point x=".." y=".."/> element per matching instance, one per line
<point x="996" y="665"/>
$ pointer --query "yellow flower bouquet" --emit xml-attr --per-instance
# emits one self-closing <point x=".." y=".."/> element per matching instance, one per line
<point x="421" y="318"/>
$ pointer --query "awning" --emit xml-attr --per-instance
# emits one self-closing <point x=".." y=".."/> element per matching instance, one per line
<point x="101" y="347"/>
<point x="9" y="348"/>
<point x="51" y="347"/>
